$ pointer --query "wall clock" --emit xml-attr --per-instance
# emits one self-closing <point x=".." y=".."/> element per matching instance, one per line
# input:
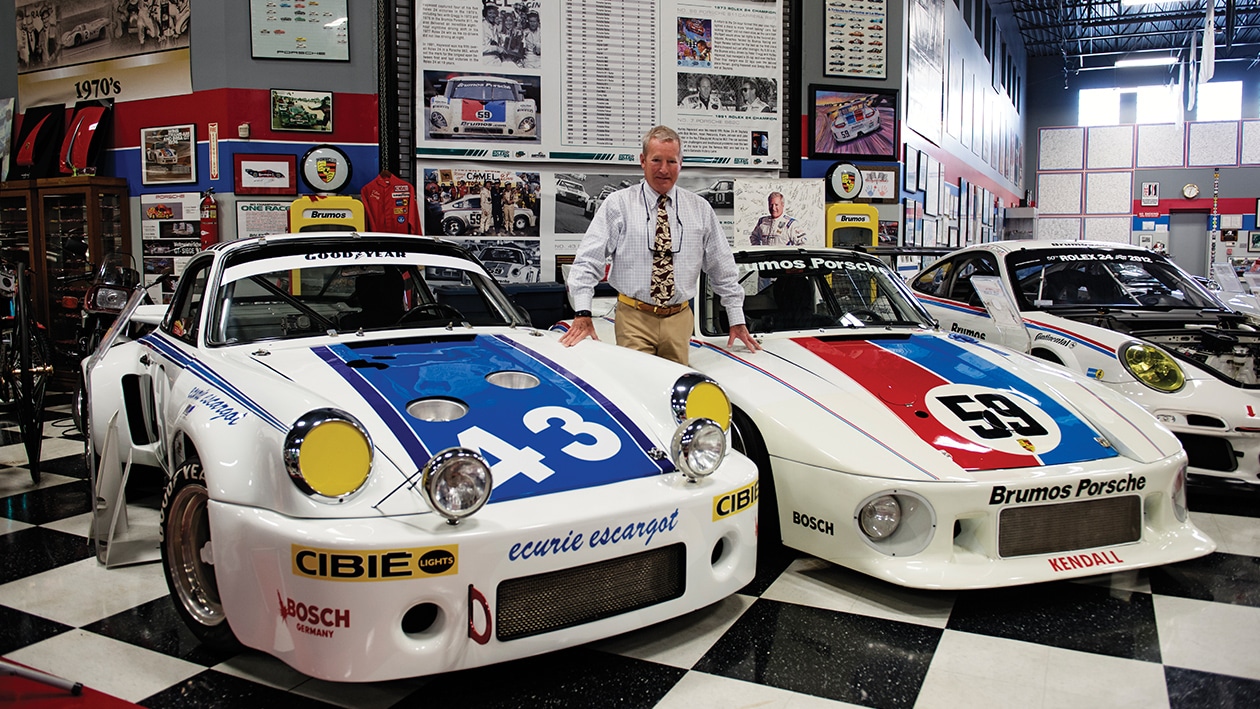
<point x="1190" y="191"/>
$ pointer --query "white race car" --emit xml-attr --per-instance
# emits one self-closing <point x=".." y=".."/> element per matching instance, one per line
<point x="925" y="459"/>
<point x="509" y="264"/>
<point x="370" y="484"/>
<point x="485" y="106"/>
<point x="853" y="119"/>
<point x="1127" y="317"/>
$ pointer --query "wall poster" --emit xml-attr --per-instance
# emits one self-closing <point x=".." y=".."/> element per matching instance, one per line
<point x="856" y="44"/>
<point x="583" y="80"/>
<point x="925" y="68"/>
<point x="292" y="30"/>
<point x="169" y="233"/>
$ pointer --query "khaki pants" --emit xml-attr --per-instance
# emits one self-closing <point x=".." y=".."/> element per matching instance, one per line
<point x="667" y="337"/>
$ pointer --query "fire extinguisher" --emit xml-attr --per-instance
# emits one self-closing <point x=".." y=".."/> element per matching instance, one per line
<point x="209" y="219"/>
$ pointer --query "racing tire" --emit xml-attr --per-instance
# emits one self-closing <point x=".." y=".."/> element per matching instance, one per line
<point x="747" y="440"/>
<point x="452" y="227"/>
<point x="189" y="569"/>
<point x="520" y="224"/>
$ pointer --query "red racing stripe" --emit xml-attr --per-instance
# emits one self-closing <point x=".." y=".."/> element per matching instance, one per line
<point x="902" y="385"/>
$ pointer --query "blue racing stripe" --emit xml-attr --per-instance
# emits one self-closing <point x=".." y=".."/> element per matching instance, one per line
<point x="202" y="371"/>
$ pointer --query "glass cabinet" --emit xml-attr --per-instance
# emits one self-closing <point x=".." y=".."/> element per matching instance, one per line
<point x="61" y="227"/>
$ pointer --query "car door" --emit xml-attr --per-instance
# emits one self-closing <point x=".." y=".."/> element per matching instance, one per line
<point x="954" y="302"/>
<point x="181" y="334"/>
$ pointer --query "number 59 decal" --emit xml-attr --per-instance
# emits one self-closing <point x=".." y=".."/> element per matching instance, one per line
<point x="591" y="442"/>
<point x="1003" y="420"/>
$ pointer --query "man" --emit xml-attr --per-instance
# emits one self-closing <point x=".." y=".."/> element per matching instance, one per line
<point x="654" y="314"/>
<point x="532" y="42"/>
<point x="752" y="103"/>
<point x="776" y="229"/>
<point x="486" y="208"/>
<point x="703" y="98"/>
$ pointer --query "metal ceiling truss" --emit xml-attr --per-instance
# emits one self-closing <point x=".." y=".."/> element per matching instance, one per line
<point x="1093" y="33"/>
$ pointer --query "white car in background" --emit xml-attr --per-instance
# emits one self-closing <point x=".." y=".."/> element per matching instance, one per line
<point x="1124" y="316"/>
<point x="927" y="459"/>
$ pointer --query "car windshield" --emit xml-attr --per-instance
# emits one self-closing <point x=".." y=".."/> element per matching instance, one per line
<point x="802" y="290"/>
<point x="1046" y="279"/>
<point x="296" y="294"/>
<point x="484" y="91"/>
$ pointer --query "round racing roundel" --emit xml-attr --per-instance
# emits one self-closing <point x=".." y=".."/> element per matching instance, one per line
<point x="325" y="168"/>
<point x="1000" y="419"/>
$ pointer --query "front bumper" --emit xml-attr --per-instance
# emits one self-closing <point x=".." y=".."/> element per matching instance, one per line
<point x="959" y="546"/>
<point x="358" y="600"/>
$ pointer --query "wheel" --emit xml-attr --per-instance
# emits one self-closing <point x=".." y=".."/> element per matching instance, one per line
<point x="747" y="440"/>
<point x="188" y="559"/>
<point x="430" y="311"/>
<point x="520" y="223"/>
<point x="452" y="227"/>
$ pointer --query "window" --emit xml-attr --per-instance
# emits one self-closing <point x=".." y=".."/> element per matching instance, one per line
<point x="1098" y="107"/>
<point x="1219" y="101"/>
<point x="1158" y="104"/>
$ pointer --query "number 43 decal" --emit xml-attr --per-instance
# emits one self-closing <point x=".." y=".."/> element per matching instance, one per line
<point x="591" y="442"/>
<point x="998" y="419"/>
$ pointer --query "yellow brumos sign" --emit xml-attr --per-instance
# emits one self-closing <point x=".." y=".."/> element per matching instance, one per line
<point x="375" y="565"/>
<point x="735" y="501"/>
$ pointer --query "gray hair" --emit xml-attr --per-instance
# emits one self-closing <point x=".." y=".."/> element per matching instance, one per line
<point x="665" y="134"/>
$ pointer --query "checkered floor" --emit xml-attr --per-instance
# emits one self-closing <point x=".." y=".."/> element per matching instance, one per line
<point x="803" y="634"/>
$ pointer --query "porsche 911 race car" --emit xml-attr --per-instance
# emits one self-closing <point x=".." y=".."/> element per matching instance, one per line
<point x="371" y="478"/>
<point x="463" y="216"/>
<point x="1127" y="317"/>
<point x="509" y="264"/>
<point x="853" y="119"/>
<point x="482" y="106"/>
<point x="928" y="459"/>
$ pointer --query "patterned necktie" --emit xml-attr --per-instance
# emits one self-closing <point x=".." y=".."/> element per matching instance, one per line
<point x="663" y="257"/>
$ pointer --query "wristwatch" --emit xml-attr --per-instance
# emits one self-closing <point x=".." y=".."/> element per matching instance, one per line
<point x="581" y="313"/>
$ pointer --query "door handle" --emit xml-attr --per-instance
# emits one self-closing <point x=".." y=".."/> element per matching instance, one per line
<point x="144" y="359"/>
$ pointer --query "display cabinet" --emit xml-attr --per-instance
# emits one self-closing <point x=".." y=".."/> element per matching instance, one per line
<point x="61" y="227"/>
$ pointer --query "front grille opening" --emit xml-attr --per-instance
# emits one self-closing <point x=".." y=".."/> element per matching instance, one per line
<point x="718" y="549"/>
<point x="1206" y="421"/>
<point x="1209" y="452"/>
<point x="532" y="605"/>
<point x="1049" y="529"/>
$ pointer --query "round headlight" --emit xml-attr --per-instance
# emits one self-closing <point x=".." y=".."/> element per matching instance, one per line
<point x="697" y="396"/>
<point x="698" y="448"/>
<point x="527" y="124"/>
<point x="880" y="517"/>
<point x="437" y="120"/>
<point x="328" y="453"/>
<point x="1153" y="367"/>
<point x="456" y="482"/>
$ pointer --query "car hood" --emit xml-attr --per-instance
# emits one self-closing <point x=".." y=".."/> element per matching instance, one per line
<point x="542" y="428"/>
<point x="929" y="405"/>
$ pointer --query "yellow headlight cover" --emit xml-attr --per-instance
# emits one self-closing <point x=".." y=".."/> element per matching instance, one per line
<point x="335" y="458"/>
<point x="1154" y="367"/>
<point x="707" y="400"/>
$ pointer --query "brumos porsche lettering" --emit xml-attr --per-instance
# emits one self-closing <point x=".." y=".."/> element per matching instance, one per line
<point x="1002" y="495"/>
<point x="818" y="524"/>
<point x="735" y="501"/>
<point x="221" y="408"/>
<point x="1084" y="561"/>
<point x="374" y="565"/>
<point x="356" y="255"/>
<point x="954" y="327"/>
<point x="1056" y="339"/>
<point x="313" y="620"/>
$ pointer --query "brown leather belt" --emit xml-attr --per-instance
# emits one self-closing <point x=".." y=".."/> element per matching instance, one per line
<point x="660" y="311"/>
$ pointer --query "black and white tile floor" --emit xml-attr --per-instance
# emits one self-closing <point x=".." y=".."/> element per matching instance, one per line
<point x="803" y="634"/>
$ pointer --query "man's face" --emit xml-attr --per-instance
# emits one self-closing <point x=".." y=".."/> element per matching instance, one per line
<point x="705" y="88"/>
<point x="749" y="93"/>
<point x="661" y="164"/>
<point x="533" y="22"/>
<point x="492" y="14"/>
<point x="776" y="206"/>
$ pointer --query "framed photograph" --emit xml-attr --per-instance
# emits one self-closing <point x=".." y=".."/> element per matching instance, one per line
<point x="854" y="123"/>
<point x="168" y="155"/>
<point x="911" y="182"/>
<point x="879" y="184"/>
<point x="266" y="174"/>
<point x="923" y="172"/>
<point x="1253" y="241"/>
<point x="306" y="111"/>
<point x="318" y="32"/>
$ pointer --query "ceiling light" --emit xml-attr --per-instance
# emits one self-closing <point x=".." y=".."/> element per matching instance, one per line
<point x="1146" y="61"/>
